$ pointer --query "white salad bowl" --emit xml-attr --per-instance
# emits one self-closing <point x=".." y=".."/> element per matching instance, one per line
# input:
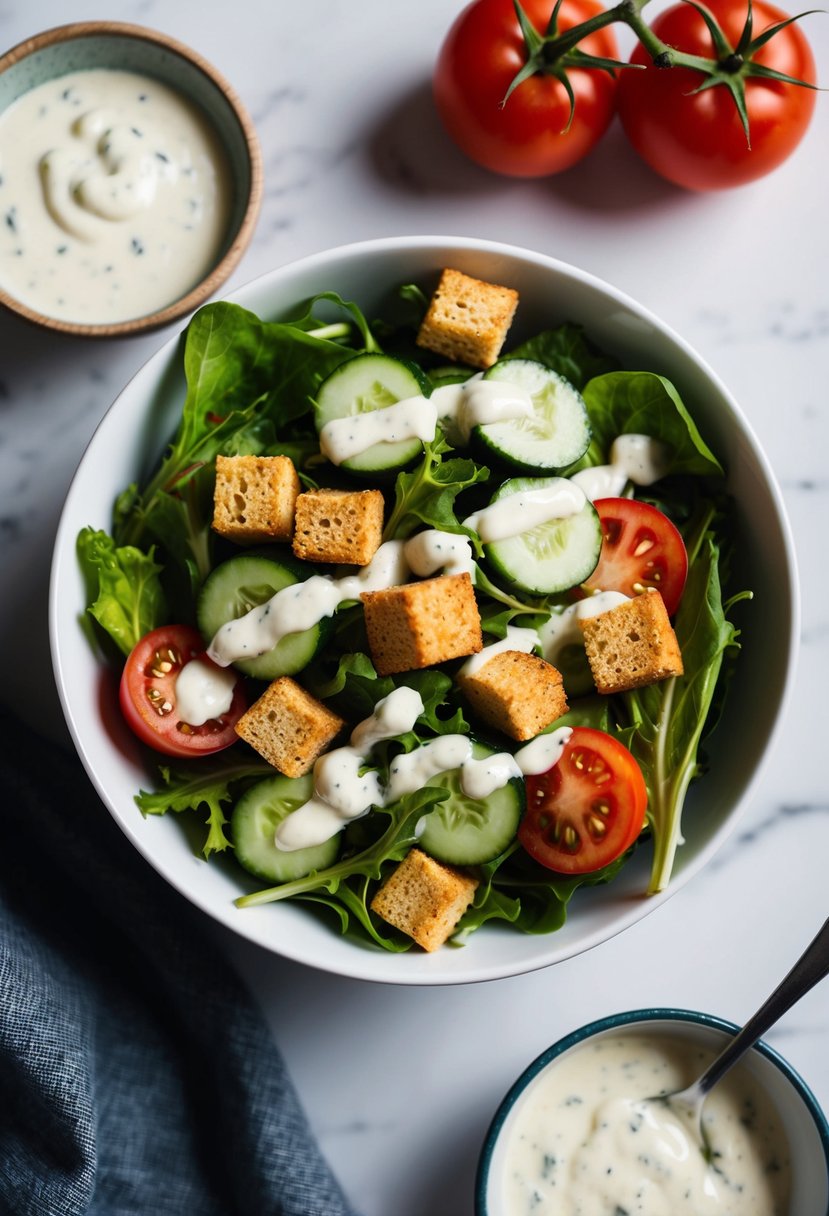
<point x="134" y="434"/>
<point x="684" y="1033"/>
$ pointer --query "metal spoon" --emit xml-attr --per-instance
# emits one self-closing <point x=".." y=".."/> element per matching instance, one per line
<point x="810" y="969"/>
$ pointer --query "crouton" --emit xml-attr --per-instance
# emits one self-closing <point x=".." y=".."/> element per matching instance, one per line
<point x="467" y="319"/>
<point x="254" y="498"/>
<point x="424" y="898"/>
<point x="516" y="693"/>
<point x="338" y="526"/>
<point x="289" y="727"/>
<point x="631" y="645"/>
<point x="423" y="623"/>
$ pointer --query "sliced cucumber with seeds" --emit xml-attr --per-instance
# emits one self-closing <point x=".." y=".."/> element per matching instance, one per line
<point x="242" y="583"/>
<point x="553" y="556"/>
<point x="554" y="436"/>
<point x="464" y="831"/>
<point x="362" y="385"/>
<point x="253" y="824"/>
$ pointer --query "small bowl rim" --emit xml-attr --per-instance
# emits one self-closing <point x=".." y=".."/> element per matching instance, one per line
<point x="613" y="1021"/>
<point x="212" y="281"/>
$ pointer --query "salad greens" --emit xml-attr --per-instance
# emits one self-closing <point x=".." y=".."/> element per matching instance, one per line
<point x="250" y="390"/>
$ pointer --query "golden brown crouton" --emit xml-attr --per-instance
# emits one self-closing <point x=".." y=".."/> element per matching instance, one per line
<point x="516" y="693"/>
<point x="424" y="898"/>
<point x="254" y="498"/>
<point x="631" y="645"/>
<point x="338" y="526"/>
<point x="422" y="623"/>
<point x="289" y="727"/>
<point x="467" y="319"/>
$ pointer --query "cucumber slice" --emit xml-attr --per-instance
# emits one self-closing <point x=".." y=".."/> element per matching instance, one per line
<point x="241" y="583"/>
<point x="551" y="557"/>
<point x="364" y="384"/>
<point x="465" y="831"/>
<point x="558" y="432"/>
<point x="254" y="821"/>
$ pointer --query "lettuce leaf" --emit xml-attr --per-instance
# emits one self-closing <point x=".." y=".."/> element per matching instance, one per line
<point x="124" y="587"/>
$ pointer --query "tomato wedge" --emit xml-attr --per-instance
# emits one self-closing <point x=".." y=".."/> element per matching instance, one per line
<point x="641" y="550"/>
<point x="148" y="695"/>
<point x="588" y="808"/>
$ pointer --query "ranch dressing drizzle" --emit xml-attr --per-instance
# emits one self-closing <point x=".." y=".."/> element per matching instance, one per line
<point x="429" y="551"/>
<point x="342" y="794"/>
<point x="115" y="194"/>
<point x="202" y="692"/>
<point x="585" y="1139"/>
<point x="473" y="403"/>
<point x="516" y="638"/>
<point x="637" y="458"/>
<point x="303" y="605"/>
<point x="528" y="509"/>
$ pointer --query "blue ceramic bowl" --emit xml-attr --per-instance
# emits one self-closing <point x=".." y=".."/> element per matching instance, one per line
<point x="118" y="45"/>
<point x="798" y="1110"/>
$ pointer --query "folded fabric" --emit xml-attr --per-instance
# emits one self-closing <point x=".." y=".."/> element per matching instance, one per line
<point x="137" y="1075"/>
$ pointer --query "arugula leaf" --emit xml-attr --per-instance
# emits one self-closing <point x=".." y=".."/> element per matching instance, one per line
<point x="567" y="350"/>
<point x="427" y="494"/>
<point x="644" y="403"/>
<point x="126" y="595"/>
<point x="395" y="842"/>
<point x="207" y="784"/>
<point x="666" y="720"/>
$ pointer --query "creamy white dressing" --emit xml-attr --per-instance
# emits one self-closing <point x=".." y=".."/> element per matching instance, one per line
<point x="542" y="752"/>
<point x="562" y="629"/>
<point x="516" y="638"/>
<point x="115" y="196"/>
<point x="464" y="406"/>
<point x="202" y="692"/>
<point x="431" y="550"/>
<point x="585" y="1141"/>
<point x="637" y="458"/>
<point x="517" y="513"/>
<point x="302" y="605"/>
<point x="342" y="793"/>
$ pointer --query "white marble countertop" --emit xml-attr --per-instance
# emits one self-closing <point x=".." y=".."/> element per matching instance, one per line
<point x="352" y="149"/>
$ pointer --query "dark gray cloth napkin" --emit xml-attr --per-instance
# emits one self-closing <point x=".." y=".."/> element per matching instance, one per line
<point x="136" y="1074"/>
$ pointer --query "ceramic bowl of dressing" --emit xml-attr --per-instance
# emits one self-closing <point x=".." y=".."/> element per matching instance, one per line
<point x="132" y="179"/>
<point x="576" y="1124"/>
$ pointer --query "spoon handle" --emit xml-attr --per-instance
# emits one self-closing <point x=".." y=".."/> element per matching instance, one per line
<point x="810" y="968"/>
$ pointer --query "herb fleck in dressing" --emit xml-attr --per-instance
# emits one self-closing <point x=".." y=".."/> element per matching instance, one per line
<point x="584" y="1142"/>
<point x="114" y="196"/>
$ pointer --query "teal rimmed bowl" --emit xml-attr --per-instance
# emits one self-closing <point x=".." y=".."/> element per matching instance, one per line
<point x="798" y="1110"/>
<point x="89" y="45"/>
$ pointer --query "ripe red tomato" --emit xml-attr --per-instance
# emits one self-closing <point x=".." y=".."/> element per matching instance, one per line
<point x="588" y="808"/>
<point x="529" y="136"/>
<point x="148" y="695"/>
<point x="641" y="549"/>
<point x="697" y="139"/>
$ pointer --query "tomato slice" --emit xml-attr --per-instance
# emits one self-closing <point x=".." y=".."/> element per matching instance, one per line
<point x="148" y="695"/>
<point x="588" y="808"/>
<point x="641" y="550"/>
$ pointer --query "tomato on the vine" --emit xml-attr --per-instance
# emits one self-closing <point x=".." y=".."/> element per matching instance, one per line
<point x="534" y="133"/>
<point x="148" y="695"/>
<point x="697" y="139"/>
<point x="586" y="810"/>
<point x="642" y="550"/>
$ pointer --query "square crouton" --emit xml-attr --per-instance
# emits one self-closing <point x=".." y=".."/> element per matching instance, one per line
<point x="338" y="526"/>
<point x="254" y="498"/>
<point x="467" y="319"/>
<point x="516" y="693"/>
<point x="289" y="727"/>
<point x="424" y="898"/>
<point x="631" y="645"/>
<point x="422" y="623"/>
